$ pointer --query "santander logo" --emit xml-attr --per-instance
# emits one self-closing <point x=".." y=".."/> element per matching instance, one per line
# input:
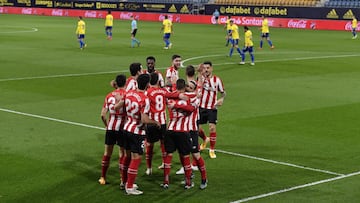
<point x="297" y="24"/>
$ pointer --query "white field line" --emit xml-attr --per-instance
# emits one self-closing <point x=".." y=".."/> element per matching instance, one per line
<point x="20" y="31"/>
<point x="296" y="187"/>
<point x="222" y="151"/>
<point x="51" y="119"/>
<point x="182" y="64"/>
<point x="279" y="162"/>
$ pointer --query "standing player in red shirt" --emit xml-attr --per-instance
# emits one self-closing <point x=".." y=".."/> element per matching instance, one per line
<point x="137" y="107"/>
<point x="177" y="136"/>
<point x="209" y="102"/>
<point x="135" y="71"/>
<point x="114" y="125"/>
<point x="172" y="73"/>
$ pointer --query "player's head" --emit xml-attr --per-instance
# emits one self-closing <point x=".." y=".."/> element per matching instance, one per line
<point x="143" y="81"/>
<point x="180" y="84"/>
<point x="80" y="17"/>
<point x="190" y="71"/>
<point x="231" y="21"/>
<point x="135" y="69"/>
<point x="132" y="17"/>
<point x="154" y="79"/>
<point x="176" y="61"/>
<point x="109" y="12"/>
<point x="165" y="17"/>
<point x="191" y="86"/>
<point x="229" y="16"/>
<point x="120" y="80"/>
<point x="246" y="28"/>
<point x="207" y="65"/>
<point x="150" y="64"/>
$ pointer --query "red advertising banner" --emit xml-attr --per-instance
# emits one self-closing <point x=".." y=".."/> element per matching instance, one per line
<point x="187" y="18"/>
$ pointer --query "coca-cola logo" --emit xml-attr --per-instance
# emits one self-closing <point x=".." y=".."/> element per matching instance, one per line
<point x="27" y="11"/>
<point x="348" y="26"/>
<point x="125" y="16"/>
<point x="90" y="14"/>
<point x="57" y="12"/>
<point x="297" y="24"/>
<point x="1" y="10"/>
<point x="162" y="17"/>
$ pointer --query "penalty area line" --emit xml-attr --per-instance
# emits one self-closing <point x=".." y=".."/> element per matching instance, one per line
<point x="296" y="187"/>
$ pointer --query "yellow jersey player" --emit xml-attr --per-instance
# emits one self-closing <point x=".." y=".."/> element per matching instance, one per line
<point x="167" y="28"/>
<point x="354" y="27"/>
<point x="109" y="25"/>
<point x="80" y="32"/>
<point x="265" y="33"/>
<point x="227" y="27"/>
<point x="234" y="34"/>
<point x="248" y="46"/>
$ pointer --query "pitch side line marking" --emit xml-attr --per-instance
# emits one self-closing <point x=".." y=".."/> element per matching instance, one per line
<point x="296" y="187"/>
<point x="51" y="119"/>
<point x="182" y="64"/>
<point x="225" y="152"/>
<point x="279" y="162"/>
<point x="21" y="31"/>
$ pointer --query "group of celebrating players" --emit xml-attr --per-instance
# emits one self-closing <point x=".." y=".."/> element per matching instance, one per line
<point x="135" y="118"/>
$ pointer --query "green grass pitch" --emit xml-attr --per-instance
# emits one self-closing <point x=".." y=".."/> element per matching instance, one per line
<point x="288" y="130"/>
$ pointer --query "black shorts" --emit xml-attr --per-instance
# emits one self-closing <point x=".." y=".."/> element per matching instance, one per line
<point x="154" y="134"/>
<point x="180" y="141"/>
<point x="207" y="115"/>
<point x="195" y="141"/>
<point x="133" y="33"/>
<point x="134" y="142"/>
<point x="113" y="137"/>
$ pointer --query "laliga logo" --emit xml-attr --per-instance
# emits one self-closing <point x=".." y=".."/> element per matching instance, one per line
<point x="57" y="12"/>
<point x="297" y="24"/>
<point x="90" y="14"/>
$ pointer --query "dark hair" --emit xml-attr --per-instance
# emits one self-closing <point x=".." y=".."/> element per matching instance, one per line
<point x="154" y="78"/>
<point x="166" y="17"/>
<point x="180" y="84"/>
<point x="143" y="81"/>
<point x="120" y="80"/>
<point x="208" y="63"/>
<point x="175" y="56"/>
<point x="109" y="11"/>
<point x="190" y="70"/>
<point x="80" y="17"/>
<point x="246" y="28"/>
<point x="150" y="58"/>
<point x="135" y="68"/>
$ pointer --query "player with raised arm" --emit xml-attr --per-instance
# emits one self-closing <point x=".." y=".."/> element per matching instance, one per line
<point x="209" y="102"/>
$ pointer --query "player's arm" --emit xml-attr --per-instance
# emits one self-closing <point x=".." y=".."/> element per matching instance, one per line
<point x="120" y="102"/>
<point x="146" y="120"/>
<point x="220" y="101"/>
<point x="103" y="115"/>
<point x="182" y="105"/>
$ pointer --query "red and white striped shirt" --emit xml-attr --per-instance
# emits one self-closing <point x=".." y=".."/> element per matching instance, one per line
<point x="161" y="78"/>
<point x="194" y="116"/>
<point x="210" y="88"/>
<point x="131" y="84"/>
<point x="172" y="75"/>
<point x="116" y="118"/>
<point x="179" y="116"/>
<point x="158" y="97"/>
<point x="136" y="103"/>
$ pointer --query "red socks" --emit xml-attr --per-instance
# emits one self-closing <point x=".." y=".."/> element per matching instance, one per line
<point x="212" y="140"/>
<point x="132" y="172"/>
<point x="105" y="165"/>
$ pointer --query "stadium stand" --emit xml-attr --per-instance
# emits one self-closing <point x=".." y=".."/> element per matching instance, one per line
<point x="300" y="3"/>
<point x="342" y="3"/>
